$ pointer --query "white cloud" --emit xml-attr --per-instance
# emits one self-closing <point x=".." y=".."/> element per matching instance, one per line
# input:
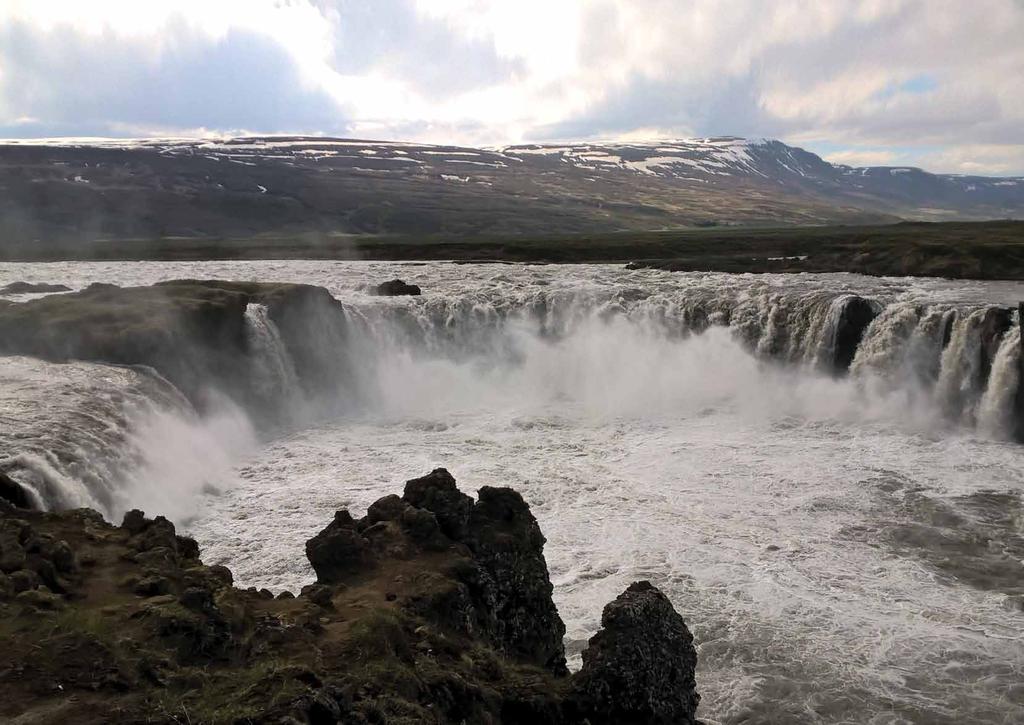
<point x="868" y="76"/>
<point x="863" y="157"/>
<point x="1000" y="160"/>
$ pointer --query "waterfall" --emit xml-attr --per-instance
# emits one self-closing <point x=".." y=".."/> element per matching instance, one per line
<point x="272" y="372"/>
<point x="84" y="434"/>
<point x="995" y="412"/>
<point x="110" y="438"/>
<point x="902" y="349"/>
<point x="959" y="384"/>
<point x="927" y="356"/>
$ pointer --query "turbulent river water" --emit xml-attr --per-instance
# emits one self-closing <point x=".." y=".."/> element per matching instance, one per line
<point x="845" y="549"/>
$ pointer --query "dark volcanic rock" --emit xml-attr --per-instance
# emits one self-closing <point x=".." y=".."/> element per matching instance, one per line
<point x="503" y="589"/>
<point x="17" y="288"/>
<point x="507" y="542"/>
<point x="640" y="667"/>
<point x="405" y="625"/>
<point x="857" y="314"/>
<point x="14" y="493"/>
<point x="194" y="334"/>
<point x="947" y="328"/>
<point x="339" y="550"/>
<point x="436" y="492"/>
<point x="396" y="288"/>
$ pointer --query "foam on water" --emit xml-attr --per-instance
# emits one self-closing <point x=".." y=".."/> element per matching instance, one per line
<point x="790" y="516"/>
<point x="828" y="627"/>
<point x="112" y="438"/>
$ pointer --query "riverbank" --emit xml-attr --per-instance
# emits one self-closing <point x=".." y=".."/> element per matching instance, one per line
<point x="961" y="250"/>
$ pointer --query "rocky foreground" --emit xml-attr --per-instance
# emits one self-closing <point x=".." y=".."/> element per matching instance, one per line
<point x="432" y="608"/>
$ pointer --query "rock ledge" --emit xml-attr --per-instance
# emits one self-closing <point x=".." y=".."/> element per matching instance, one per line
<point x="432" y="608"/>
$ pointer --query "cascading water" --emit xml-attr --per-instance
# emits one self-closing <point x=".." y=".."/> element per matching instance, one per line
<point x="612" y="347"/>
<point x="959" y="386"/>
<point x="996" y="417"/>
<point x="274" y="380"/>
<point x="846" y="547"/>
<point x="111" y="438"/>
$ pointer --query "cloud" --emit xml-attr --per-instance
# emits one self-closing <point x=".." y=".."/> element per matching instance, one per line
<point x="57" y="81"/>
<point x="859" y="74"/>
<point x="941" y="78"/>
<point x="863" y="157"/>
<point x="1000" y="160"/>
<point x="392" y="38"/>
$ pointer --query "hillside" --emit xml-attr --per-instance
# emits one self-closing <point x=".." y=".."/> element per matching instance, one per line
<point x="79" y="191"/>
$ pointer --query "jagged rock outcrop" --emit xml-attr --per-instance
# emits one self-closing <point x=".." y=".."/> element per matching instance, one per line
<point x="339" y="550"/>
<point x="507" y="542"/>
<point x="438" y="493"/>
<point x="501" y="586"/>
<point x="640" y="667"/>
<point x="396" y="288"/>
<point x="402" y="626"/>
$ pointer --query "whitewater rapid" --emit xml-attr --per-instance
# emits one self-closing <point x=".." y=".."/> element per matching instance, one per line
<point x="843" y="547"/>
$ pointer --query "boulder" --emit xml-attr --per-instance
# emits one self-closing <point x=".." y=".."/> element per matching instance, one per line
<point x="436" y="492"/>
<point x="39" y="599"/>
<point x="339" y="551"/>
<point x="639" y="668"/>
<point x="24" y="579"/>
<point x="134" y="521"/>
<point x="396" y="288"/>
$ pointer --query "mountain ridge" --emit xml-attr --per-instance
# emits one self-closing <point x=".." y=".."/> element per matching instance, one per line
<point x="88" y="189"/>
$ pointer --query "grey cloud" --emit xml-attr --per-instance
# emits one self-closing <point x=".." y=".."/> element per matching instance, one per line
<point x="392" y="37"/>
<point x="745" y="68"/>
<point x="76" y="84"/>
<point x="730" y="109"/>
<point x="726" y="88"/>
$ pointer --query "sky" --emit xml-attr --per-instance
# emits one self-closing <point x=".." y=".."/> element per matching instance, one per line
<point x="931" y="83"/>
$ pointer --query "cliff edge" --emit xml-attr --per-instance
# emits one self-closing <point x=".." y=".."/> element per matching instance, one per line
<point x="433" y="608"/>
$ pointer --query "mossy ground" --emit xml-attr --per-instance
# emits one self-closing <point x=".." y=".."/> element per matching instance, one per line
<point x="207" y="652"/>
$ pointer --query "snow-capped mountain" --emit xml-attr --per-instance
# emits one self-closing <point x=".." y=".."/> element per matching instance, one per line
<point x="233" y="187"/>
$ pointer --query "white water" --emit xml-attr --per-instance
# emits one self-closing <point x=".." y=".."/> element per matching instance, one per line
<point x="273" y="370"/>
<point x="647" y="451"/>
<point x="996" y="410"/>
<point x="112" y="438"/>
